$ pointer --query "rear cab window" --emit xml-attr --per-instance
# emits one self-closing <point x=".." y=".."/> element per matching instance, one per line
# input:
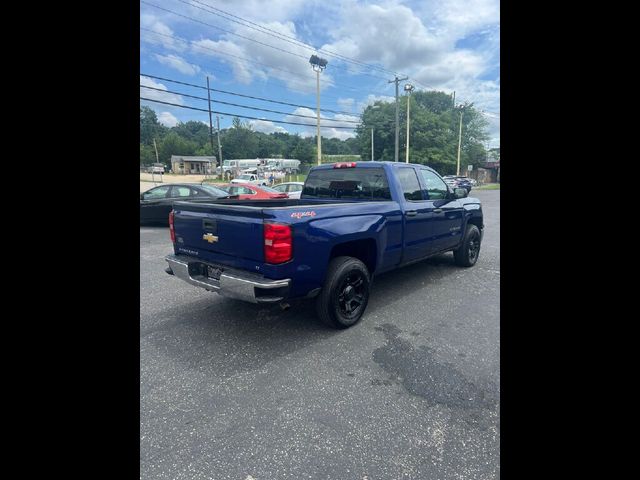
<point x="409" y="183"/>
<point x="348" y="183"/>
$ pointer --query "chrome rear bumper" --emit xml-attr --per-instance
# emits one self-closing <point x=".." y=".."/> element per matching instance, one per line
<point x="232" y="283"/>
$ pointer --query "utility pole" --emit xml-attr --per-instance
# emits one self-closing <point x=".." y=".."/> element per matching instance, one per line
<point x="219" y="147"/>
<point x="156" y="147"/>
<point x="372" y="144"/>
<point x="396" y="80"/>
<point x="210" y="121"/>
<point x="459" y="141"/>
<point x="454" y="99"/>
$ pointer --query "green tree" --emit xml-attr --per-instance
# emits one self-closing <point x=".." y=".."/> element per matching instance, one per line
<point x="174" y="144"/>
<point x="434" y="132"/>
<point x="303" y="150"/>
<point x="239" y="141"/>
<point x="150" y="128"/>
<point x="147" y="155"/>
<point x="193" y="131"/>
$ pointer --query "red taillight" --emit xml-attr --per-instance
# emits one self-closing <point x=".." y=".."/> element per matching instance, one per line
<point x="344" y="165"/>
<point x="278" y="243"/>
<point x="173" y="232"/>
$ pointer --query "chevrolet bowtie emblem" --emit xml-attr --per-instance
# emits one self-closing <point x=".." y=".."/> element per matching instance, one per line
<point x="210" y="237"/>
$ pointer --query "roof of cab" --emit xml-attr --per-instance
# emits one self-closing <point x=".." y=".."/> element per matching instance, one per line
<point x="371" y="164"/>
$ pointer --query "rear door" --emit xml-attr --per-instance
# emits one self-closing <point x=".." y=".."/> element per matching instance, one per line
<point x="418" y="216"/>
<point x="447" y="221"/>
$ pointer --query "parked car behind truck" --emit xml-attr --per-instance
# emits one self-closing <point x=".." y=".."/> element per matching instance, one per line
<point x="353" y="221"/>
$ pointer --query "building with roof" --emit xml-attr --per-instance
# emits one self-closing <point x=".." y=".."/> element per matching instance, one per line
<point x="190" y="165"/>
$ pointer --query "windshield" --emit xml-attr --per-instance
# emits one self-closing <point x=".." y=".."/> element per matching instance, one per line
<point x="348" y="183"/>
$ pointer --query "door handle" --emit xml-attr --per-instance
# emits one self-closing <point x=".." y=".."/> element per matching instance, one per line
<point x="437" y="210"/>
<point x="411" y="213"/>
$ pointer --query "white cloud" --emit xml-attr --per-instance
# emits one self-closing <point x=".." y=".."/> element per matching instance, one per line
<point x="178" y="63"/>
<point x="265" y="62"/>
<point x="452" y="67"/>
<point x="157" y="94"/>
<point x="372" y="99"/>
<point x="266" y="126"/>
<point x="337" y="120"/>
<point x="163" y="35"/>
<point x="254" y="10"/>
<point x="346" y="103"/>
<point x="167" y="119"/>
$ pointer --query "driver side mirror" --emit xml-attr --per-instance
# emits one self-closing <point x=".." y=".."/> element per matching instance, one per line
<point x="460" y="192"/>
<point x="142" y="196"/>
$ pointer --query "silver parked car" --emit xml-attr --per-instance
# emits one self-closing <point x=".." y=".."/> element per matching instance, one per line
<point x="293" y="189"/>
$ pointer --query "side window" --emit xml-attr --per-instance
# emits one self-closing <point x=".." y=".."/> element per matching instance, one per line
<point x="436" y="188"/>
<point x="409" y="183"/>
<point x="195" y="193"/>
<point x="295" y="188"/>
<point x="180" y="192"/>
<point x="246" y="191"/>
<point x="160" y="192"/>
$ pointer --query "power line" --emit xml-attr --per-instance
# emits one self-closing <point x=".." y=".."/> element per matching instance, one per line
<point x="252" y="61"/>
<point x="243" y="95"/>
<point x="299" y="43"/>
<point x="237" y="34"/>
<point x="242" y="116"/>
<point x="244" y="106"/>
<point x="220" y="28"/>
<point x="282" y="36"/>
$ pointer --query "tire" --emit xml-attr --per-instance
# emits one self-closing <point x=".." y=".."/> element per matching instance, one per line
<point x="467" y="254"/>
<point x="347" y="277"/>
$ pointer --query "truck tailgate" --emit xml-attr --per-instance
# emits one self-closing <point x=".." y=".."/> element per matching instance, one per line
<point x="220" y="229"/>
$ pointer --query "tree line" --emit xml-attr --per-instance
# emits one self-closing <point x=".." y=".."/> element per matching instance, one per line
<point x="434" y="131"/>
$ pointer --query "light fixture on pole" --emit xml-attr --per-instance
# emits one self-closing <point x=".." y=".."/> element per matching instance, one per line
<point x="408" y="88"/>
<point x="318" y="64"/>
<point x="459" y="140"/>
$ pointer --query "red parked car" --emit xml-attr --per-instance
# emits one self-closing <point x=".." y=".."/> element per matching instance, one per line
<point x="247" y="191"/>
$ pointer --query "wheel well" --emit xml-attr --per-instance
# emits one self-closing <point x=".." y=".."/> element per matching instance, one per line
<point x="477" y="221"/>
<point x="364" y="250"/>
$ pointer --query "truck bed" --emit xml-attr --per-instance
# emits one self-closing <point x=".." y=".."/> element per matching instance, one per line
<point x="278" y="202"/>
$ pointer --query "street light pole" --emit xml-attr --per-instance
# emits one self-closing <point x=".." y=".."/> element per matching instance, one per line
<point x="318" y="64"/>
<point x="318" y="115"/>
<point x="408" y="88"/>
<point x="372" y="144"/>
<point x="459" y="141"/>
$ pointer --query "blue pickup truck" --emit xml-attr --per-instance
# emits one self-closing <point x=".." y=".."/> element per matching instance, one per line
<point x="352" y="221"/>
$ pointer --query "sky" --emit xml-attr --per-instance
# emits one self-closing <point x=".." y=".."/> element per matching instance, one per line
<point x="261" y="48"/>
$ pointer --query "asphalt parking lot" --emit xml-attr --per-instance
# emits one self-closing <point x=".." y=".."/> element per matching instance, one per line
<point x="230" y="390"/>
